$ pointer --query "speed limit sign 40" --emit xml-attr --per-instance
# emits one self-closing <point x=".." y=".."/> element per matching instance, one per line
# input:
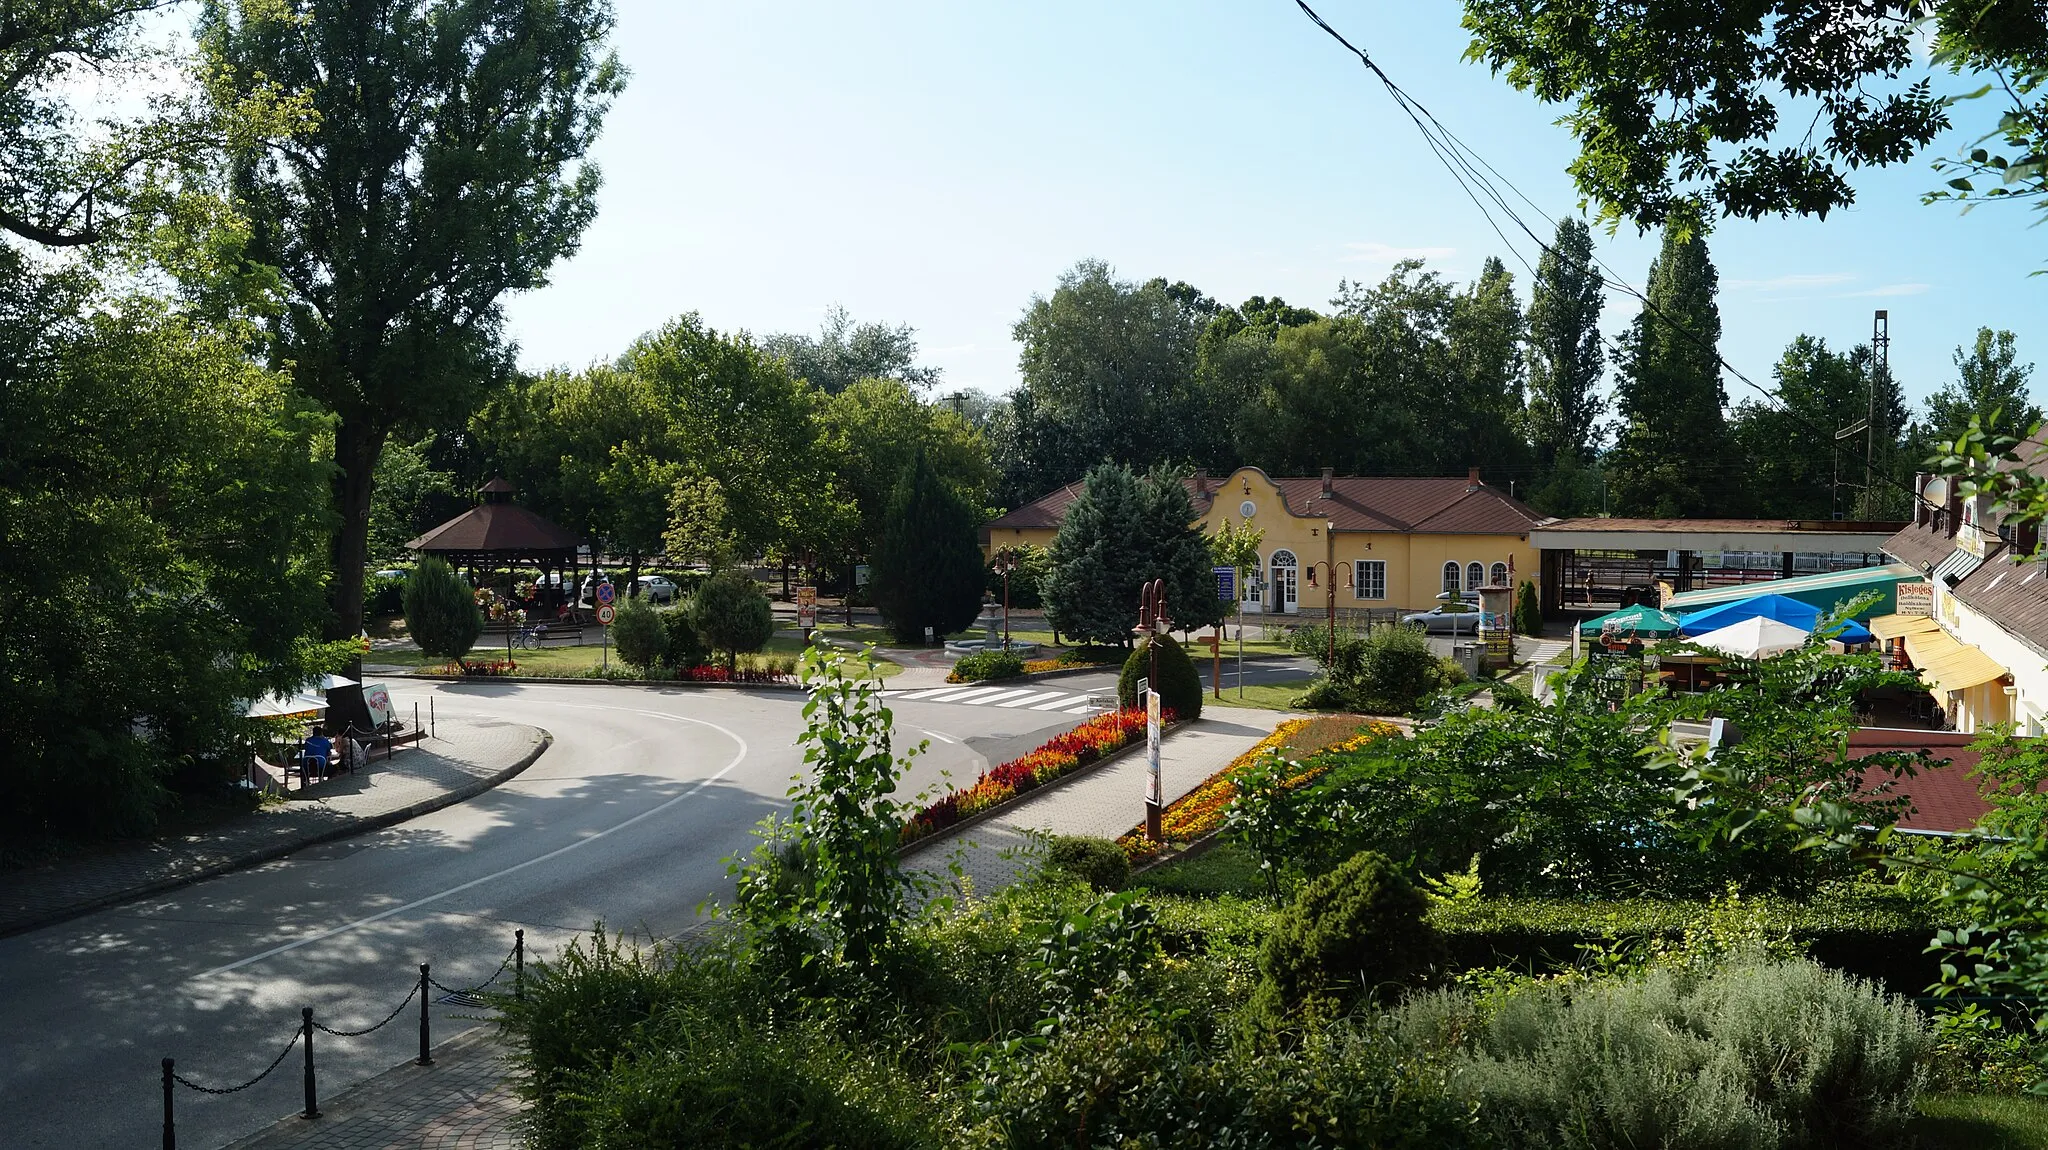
<point x="606" y="614"/>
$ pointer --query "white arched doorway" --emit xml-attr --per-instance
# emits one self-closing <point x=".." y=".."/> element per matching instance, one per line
<point x="1286" y="594"/>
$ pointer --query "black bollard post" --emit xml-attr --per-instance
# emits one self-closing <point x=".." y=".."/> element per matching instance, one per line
<point x="519" y="965"/>
<point x="433" y="729"/>
<point x="425" y="1059"/>
<point x="170" y="1127"/>
<point x="306" y="1026"/>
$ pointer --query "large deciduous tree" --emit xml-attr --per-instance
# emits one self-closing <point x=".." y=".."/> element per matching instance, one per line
<point x="1798" y="468"/>
<point x="443" y="167"/>
<point x="1990" y="381"/>
<point x="1672" y="455"/>
<point x="1566" y="361"/>
<point x="873" y="426"/>
<point x="925" y="567"/>
<point x="843" y="353"/>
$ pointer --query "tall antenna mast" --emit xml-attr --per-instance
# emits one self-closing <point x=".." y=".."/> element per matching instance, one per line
<point x="1880" y="368"/>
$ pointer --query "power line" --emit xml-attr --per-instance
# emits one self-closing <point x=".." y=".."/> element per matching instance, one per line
<point x="1460" y="160"/>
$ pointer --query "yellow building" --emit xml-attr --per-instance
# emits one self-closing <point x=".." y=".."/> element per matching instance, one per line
<point x="1393" y="543"/>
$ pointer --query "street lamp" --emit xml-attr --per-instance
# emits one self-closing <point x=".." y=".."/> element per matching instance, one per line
<point x="1006" y="562"/>
<point x="1330" y="662"/>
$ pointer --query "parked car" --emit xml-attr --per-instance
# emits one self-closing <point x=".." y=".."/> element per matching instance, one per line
<point x="392" y="573"/>
<point x="1446" y="619"/>
<point x="656" y="588"/>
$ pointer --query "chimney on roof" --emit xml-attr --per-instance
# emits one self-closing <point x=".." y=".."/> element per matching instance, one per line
<point x="1954" y="510"/>
<point x="1202" y="482"/>
<point x="1328" y="472"/>
<point x="1920" y="499"/>
<point x="1472" y="480"/>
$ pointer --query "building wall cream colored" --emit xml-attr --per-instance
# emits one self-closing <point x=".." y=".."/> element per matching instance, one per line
<point x="1985" y="705"/>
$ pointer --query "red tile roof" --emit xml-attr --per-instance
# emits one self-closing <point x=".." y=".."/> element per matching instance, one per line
<point x="1439" y="505"/>
<point x="496" y="527"/>
<point x="1945" y="798"/>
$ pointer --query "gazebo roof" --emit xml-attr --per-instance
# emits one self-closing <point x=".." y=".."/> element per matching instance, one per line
<point x="497" y="527"/>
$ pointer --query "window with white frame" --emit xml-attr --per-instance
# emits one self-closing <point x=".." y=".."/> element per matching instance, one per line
<point x="1372" y="579"/>
<point x="1475" y="577"/>
<point x="1451" y="578"/>
<point x="1500" y="575"/>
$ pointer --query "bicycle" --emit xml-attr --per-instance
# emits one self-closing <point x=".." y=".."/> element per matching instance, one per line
<point x="529" y="638"/>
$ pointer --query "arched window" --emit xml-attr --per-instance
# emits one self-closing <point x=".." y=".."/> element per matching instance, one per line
<point x="1475" y="577"/>
<point x="1500" y="575"/>
<point x="1283" y="558"/>
<point x="1451" y="577"/>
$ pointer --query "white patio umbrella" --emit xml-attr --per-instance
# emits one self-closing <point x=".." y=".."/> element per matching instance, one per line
<point x="1754" y="638"/>
<point x="286" y="706"/>
<point x="330" y="682"/>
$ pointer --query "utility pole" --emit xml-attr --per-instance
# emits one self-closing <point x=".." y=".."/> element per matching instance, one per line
<point x="1880" y="368"/>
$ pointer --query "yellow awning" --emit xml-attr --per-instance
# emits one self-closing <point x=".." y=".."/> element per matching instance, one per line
<point x="1889" y="627"/>
<point x="1948" y="665"/>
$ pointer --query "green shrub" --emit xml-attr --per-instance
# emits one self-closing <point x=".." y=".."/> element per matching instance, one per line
<point x="638" y="634"/>
<point x="383" y="596"/>
<point x="1749" y="1055"/>
<point x="1178" y="683"/>
<point x="441" y="613"/>
<point x="681" y="648"/>
<point x="1033" y="565"/>
<point x="731" y="614"/>
<point x="1099" y="862"/>
<point x="1347" y="936"/>
<point x="1528" y="611"/>
<point x="984" y="665"/>
<point x="1397" y="668"/>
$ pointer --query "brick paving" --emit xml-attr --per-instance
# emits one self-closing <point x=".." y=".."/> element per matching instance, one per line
<point x="470" y="754"/>
<point x="467" y="1100"/>
<point x="1104" y="803"/>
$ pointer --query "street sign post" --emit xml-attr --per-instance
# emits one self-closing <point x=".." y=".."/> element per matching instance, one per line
<point x="806" y="611"/>
<point x="605" y="614"/>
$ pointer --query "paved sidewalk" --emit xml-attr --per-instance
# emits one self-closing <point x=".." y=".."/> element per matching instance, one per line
<point x="469" y="756"/>
<point x="467" y="1100"/>
<point x="1104" y="803"/>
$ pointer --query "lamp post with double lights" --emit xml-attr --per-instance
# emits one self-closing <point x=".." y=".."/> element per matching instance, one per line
<point x="1330" y="566"/>
<point x="1005" y="562"/>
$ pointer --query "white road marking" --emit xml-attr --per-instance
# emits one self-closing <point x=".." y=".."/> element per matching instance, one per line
<point x="1056" y="704"/>
<point x="924" y="693"/>
<point x="997" y="699"/>
<point x="556" y="853"/>
<point x="970" y="693"/>
<point x="1034" y="697"/>
<point x="940" y="737"/>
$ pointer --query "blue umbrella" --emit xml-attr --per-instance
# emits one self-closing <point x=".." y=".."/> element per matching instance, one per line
<point x="1804" y="616"/>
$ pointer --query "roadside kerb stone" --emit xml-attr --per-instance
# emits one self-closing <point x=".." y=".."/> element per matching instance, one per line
<point x="467" y="1100"/>
<point x="585" y="681"/>
<point x="478" y="754"/>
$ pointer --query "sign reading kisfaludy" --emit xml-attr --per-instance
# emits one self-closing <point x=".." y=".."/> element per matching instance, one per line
<point x="1916" y="598"/>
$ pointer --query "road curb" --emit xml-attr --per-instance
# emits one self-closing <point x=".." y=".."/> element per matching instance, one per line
<point x="276" y="850"/>
<point x="586" y="682"/>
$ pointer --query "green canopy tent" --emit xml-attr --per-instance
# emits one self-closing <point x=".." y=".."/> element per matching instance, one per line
<point x="1643" y="622"/>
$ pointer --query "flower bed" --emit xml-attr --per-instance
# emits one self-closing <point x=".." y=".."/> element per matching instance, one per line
<point x="1063" y="754"/>
<point x="487" y="668"/>
<point x="716" y="673"/>
<point x="1200" y="811"/>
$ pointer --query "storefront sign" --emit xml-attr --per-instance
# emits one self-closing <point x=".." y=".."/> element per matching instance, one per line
<point x="806" y="607"/>
<point x="1916" y="598"/>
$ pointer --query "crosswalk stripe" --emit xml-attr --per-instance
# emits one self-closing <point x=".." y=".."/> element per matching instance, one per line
<point x="1033" y="697"/>
<point x="923" y="693"/>
<point x="1078" y="711"/>
<point x="996" y="700"/>
<point x="1056" y="704"/>
<point x="963" y="696"/>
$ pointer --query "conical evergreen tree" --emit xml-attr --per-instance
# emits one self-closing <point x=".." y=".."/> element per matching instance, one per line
<point x="1673" y="455"/>
<point x="1180" y="552"/>
<point x="926" y="569"/>
<point x="1099" y="557"/>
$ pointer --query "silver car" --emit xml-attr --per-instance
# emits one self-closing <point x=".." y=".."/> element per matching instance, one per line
<point x="1446" y="619"/>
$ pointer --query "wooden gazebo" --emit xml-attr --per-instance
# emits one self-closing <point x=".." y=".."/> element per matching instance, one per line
<point x="499" y="533"/>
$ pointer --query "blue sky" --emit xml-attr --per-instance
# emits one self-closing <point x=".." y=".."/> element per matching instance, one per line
<point x="937" y="164"/>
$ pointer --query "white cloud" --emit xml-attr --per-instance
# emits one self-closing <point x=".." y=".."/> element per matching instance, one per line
<point x="1374" y="252"/>
<point x="1792" y="282"/>
<point x="1892" y="289"/>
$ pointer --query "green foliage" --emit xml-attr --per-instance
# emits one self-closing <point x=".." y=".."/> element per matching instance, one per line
<point x="391" y="315"/>
<point x="1528" y="610"/>
<point x="1031" y="566"/>
<point x="844" y="355"/>
<point x="926" y="569"/>
<point x="730" y="614"/>
<point x="1100" y="863"/>
<point x="1099" y="560"/>
<point x="383" y="596"/>
<point x="1748" y="1055"/>
<point x="409" y="497"/>
<point x="441" y="614"/>
<point x="872" y="426"/>
<point x="1794" y="458"/>
<point x="1385" y="670"/>
<point x="638" y="633"/>
<point x="984" y="665"/>
<point x="1275" y="818"/>
<point x="1566" y="360"/>
<point x="1990" y="386"/>
<point x="1672" y="455"/>
<point x="1350" y="935"/>
<point x="681" y="646"/>
<point x="825" y="885"/>
<point x="1178" y="683"/>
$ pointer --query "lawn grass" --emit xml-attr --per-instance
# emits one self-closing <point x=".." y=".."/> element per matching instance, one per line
<point x="1200" y="647"/>
<point x="1225" y="868"/>
<point x="1982" y="1122"/>
<point x="572" y="662"/>
<point x="1268" y="696"/>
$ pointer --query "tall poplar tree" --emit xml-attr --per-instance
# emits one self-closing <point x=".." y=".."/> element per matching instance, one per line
<point x="1673" y="455"/>
<point x="1484" y="338"/>
<point x="444" y="167"/>
<point x="1566" y="360"/>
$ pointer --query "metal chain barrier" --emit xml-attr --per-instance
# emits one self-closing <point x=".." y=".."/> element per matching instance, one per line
<point x="371" y="1029"/>
<point x="515" y="961"/>
<point x="274" y="1064"/>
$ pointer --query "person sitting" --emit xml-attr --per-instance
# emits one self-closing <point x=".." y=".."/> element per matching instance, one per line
<point x="318" y="753"/>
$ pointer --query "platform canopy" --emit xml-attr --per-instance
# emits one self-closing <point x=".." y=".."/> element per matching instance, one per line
<point x="498" y="532"/>
<point x="1823" y="590"/>
<point x="1698" y="535"/>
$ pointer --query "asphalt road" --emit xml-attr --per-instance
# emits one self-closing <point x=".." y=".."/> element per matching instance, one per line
<point x="624" y="821"/>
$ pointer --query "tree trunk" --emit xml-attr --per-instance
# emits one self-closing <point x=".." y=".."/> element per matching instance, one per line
<point x="356" y="448"/>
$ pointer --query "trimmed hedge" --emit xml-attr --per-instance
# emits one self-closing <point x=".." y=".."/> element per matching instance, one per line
<point x="1179" y="685"/>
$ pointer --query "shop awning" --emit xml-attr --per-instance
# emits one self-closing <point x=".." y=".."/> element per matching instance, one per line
<point x="1889" y="627"/>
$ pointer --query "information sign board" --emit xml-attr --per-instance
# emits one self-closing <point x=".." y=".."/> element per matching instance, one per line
<point x="1916" y="598"/>
<point x="1152" y="788"/>
<point x="1226" y="583"/>
<point x="806" y="607"/>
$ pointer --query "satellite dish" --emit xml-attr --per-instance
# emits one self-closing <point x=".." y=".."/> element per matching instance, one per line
<point x="1936" y="491"/>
